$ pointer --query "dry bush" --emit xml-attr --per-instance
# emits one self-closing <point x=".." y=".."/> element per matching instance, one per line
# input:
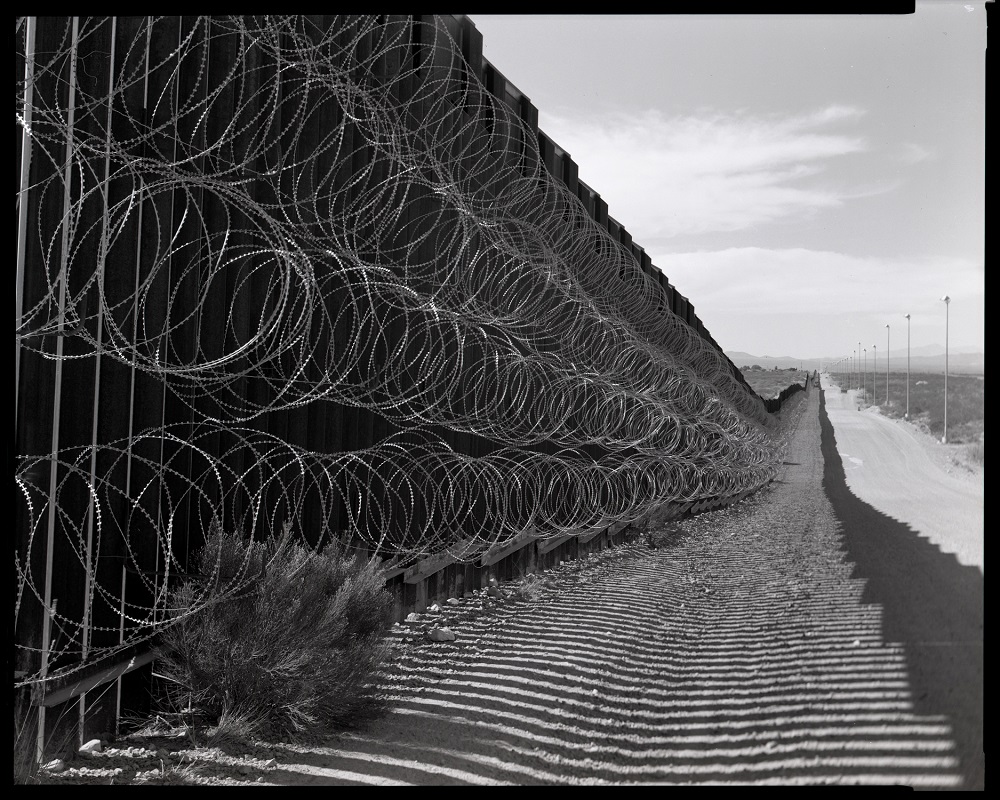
<point x="975" y="453"/>
<point x="771" y="383"/>
<point x="235" y="730"/>
<point x="662" y="515"/>
<point x="25" y="758"/>
<point x="530" y="587"/>
<point x="294" y="654"/>
<point x="58" y="742"/>
<point x="966" y="403"/>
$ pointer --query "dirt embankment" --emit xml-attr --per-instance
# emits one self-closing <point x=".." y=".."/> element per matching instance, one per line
<point x="784" y="640"/>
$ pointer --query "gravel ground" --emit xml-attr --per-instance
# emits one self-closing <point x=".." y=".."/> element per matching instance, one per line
<point x="758" y="644"/>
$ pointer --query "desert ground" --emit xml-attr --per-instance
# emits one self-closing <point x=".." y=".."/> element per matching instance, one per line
<point x="828" y="630"/>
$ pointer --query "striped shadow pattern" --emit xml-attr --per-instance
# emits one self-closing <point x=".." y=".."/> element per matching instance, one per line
<point x="741" y="654"/>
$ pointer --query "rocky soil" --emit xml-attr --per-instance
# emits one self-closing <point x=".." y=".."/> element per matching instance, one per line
<point x="748" y="645"/>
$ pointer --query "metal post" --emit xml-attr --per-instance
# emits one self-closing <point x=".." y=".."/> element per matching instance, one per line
<point x="88" y="591"/>
<point x="63" y="280"/>
<point x="22" y="195"/>
<point x="887" y="363"/>
<point x="121" y="640"/>
<point x="947" y="303"/>
<point x="907" y="366"/>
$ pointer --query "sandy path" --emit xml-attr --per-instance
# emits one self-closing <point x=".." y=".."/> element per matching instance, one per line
<point x="908" y="475"/>
<point x="801" y="637"/>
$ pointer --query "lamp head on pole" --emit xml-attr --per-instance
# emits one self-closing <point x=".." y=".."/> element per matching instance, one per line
<point x="907" y="316"/>
<point x="946" y="299"/>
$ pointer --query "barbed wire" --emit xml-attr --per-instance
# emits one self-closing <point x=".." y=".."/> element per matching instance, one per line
<point x="342" y="214"/>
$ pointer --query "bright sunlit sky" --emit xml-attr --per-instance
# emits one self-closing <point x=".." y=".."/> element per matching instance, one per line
<point x="803" y="179"/>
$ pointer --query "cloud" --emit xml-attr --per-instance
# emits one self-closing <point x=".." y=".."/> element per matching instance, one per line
<point x="911" y="153"/>
<point x="667" y="177"/>
<point x="793" y="279"/>
<point x="709" y="172"/>
<point x="822" y="299"/>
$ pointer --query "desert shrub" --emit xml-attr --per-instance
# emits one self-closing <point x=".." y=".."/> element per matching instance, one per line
<point x="966" y="403"/>
<point x="770" y="384"/>
<point x="662" y="515"/>
<point x="25" y="759"/>
<point x="58" y="741"/>
<point x="293" y="653"/>
<point x="976" y="453"/>
<point x="530" y="587"/>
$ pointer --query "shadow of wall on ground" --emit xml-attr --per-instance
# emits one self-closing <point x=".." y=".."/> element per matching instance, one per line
<point x="932" y="605"/>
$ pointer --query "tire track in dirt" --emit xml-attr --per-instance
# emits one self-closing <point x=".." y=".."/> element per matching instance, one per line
<point x="739" y="651"/>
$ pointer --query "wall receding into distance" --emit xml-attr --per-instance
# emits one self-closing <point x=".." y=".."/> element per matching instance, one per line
<point x="323" y="271"/>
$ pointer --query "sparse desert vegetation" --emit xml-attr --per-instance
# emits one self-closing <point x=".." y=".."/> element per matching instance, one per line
<point x="966" y="398"/>
<point x="771" y="383"/>
<point x="974" y="453"/>
<point x="966" y="393"/>
<point x="293" y="654"/>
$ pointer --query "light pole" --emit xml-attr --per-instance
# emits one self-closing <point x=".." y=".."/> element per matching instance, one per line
<point x="864" y="377"/>
<point x="859" y="361"/>
<point x="874" y="372"/>
<point x="947" y="302"/>
<point x="907" y="366"/>
<point x="887" y="363"/>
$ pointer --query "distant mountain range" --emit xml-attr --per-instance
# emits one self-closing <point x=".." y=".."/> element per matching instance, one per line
<point x="928" y="358"/>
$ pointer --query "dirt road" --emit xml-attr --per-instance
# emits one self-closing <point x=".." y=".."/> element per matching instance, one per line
<point x="801" y="637"/>
<point x="906" y="474"/>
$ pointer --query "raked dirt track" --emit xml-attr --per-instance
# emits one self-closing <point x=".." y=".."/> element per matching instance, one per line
<point x="821" y="632"/>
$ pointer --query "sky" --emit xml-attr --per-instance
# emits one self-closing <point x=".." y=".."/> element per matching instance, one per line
<point x="804" y="180"/>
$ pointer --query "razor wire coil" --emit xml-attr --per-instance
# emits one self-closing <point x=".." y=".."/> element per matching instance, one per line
<point x="359" y="223"/>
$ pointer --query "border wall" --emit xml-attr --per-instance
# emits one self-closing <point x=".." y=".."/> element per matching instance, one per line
<point x="326" y="270"/>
